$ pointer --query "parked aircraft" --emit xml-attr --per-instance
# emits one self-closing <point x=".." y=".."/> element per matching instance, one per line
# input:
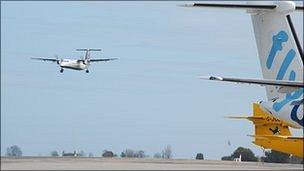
<point x="272" y="133"/>
<point x="281" y="59"/>
<point x="79" y="64"/>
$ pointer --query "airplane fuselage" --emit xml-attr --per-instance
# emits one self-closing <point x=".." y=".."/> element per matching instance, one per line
<point x="73" y="64"/>
<point x="289" y="110"/>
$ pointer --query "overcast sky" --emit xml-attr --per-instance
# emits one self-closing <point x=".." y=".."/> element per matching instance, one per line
<point x="148" y="98"/>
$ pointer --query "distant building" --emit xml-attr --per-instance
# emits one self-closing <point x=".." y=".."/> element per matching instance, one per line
<point x="69" y="154"/>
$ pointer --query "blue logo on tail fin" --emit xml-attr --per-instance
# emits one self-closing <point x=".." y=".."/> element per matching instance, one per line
<point x="277" y="45"/>
<point x="277" y="40"/>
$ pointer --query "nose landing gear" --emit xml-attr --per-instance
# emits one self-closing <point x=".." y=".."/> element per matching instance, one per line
<point x="87" y="71"/>
<point x="61" y="70"/>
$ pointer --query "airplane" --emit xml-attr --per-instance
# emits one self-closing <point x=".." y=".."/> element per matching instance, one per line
<point x="272" y="133"/>
<point x="281" y="59"/>
<point x="80" y="64"/>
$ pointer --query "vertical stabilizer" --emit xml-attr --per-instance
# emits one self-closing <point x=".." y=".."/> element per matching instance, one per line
<point x="279" y="50"/>
<point x="87" y="53"/>
<point x="272" y="133"/>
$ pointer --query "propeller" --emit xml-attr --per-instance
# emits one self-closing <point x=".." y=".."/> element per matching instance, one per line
<point x="58" y="60"/>
<point x="85" y="62"/>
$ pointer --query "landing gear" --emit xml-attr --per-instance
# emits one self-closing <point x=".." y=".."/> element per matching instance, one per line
<point x="61" y="70"/>
<point x="87" y="71"/>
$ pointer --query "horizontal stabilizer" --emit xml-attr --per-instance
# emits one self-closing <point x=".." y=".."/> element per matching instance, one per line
<point x="88" y="49"/>
<point x="238" y="6"/>
<point x="276" y="137"/>
<point x="246" y="117"/>
<point x="286" y="86"/>
<point x="259" y="120"/>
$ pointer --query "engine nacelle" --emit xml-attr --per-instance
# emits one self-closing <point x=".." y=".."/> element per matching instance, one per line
<point x="85" y="62"/>
<point x="59" y="61"/>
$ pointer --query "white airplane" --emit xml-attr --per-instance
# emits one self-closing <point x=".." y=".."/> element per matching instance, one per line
<point x="281" y="58"/>
<point x="79" y="64"/>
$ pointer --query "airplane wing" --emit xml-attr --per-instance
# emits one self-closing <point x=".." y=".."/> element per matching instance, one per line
<point x="263" y="82"/>
<point x="246" y="117"/>
<point x="101" y="60"/>
<point x="46" y="59"/>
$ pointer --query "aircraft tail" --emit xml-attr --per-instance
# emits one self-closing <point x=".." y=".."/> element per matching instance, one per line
<point x="87" y="54"/>
<point x="271" y="133"/>
<point x="279" y="49"/>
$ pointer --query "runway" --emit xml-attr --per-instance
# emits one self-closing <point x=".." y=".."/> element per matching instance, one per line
<point x="98" y="163"/>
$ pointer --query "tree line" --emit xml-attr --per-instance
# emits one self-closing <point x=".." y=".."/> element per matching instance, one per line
<point x="166" y="153"/>
<point x="271" y="156"/>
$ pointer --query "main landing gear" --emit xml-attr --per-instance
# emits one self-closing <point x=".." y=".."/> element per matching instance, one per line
<point x="87" y="71"/>
<point x="61" y="70"/>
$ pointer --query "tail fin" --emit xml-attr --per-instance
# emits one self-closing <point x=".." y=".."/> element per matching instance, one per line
<point x="271" y="133"/>
<point x="269" y="125"/>
<point x="264" y="123"/>
<point x="87" y="54"/>
<point x="279" y="50"/>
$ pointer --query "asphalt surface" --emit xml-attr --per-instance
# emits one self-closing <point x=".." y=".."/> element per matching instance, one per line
<point x="98" y="163"/>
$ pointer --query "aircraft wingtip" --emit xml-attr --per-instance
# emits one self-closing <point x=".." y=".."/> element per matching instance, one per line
<point x="204" y="77"/>
<point x="211" y="78"/>
<point x="185" y="5"/>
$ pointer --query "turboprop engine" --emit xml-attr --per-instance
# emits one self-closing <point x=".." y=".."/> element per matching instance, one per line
<point x="59" y="61"/>
<point x="86" y="62"/>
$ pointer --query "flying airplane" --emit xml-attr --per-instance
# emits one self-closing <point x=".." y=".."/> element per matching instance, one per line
<point x="281" y="59"/>
<point x="79" y="64"/>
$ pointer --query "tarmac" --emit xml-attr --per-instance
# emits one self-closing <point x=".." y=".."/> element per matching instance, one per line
<point x="98" y="163"/>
